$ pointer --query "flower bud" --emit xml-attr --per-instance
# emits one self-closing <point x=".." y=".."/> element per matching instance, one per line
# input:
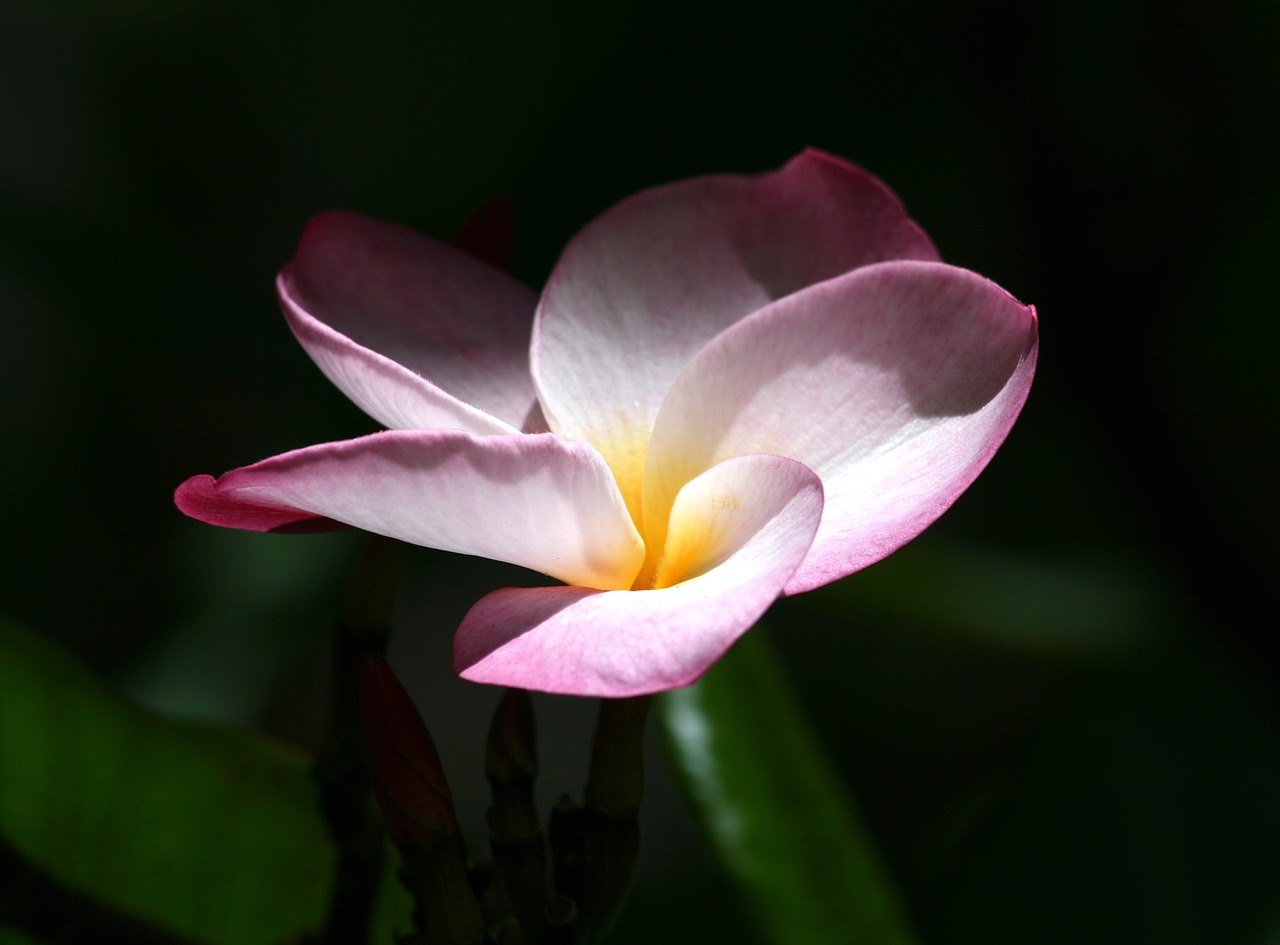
<point x="410" y="786"/>
<point x="488" y="234"/>
<point x="519" y="853"/>
<point x="511" y="764"/>
<point x="407" y="776"/>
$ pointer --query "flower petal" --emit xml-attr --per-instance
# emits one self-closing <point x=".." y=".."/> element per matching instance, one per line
<point x="201" y="498"/>
<point x="533" y="500"/>
<point x="418" y="334"/>
<point x="641" y="289"/>
<point x="895" y="383"/>
<point x="740" y="531"/>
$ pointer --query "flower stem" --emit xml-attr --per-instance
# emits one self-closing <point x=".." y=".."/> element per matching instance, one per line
<point x="340" y="770"/>
<point x="595" y="846"/>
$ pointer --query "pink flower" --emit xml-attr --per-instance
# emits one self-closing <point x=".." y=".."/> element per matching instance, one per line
<point x="753" y="386"/>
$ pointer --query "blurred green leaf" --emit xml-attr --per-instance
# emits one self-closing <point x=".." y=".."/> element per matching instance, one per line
<point x="212" y="832"/>
<point x="766" y="799"/>
<point x="1074" y="609"/>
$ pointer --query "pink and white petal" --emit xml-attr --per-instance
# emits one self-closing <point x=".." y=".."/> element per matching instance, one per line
<point x="747" y="525"/>
<point x="884" y="502"/>
<point x="895" y="383"/>
<point x="532" y="500"/>
<point x="364" y="296"/>
<point x="642" y="288"/>
<point x="387" y="391"/>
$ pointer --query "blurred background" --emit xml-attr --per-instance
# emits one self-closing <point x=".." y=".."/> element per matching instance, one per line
<point x="1058" y="708"/>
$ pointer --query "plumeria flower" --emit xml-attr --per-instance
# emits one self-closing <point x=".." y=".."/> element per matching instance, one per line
<point x="731" y="389"/>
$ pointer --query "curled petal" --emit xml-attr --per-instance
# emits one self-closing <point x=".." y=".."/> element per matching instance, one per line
<point x="895" y="383"/>
<point x="418" y="334"/>
<point x="642" y="288"/>
<point x="738" y="534"/>
<point x="529" y="499"/>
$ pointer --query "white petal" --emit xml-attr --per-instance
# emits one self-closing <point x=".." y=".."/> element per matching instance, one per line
<point x="641" y="289"/>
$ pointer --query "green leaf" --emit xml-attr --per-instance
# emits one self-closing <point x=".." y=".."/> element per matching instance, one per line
<point x="769" y="804"/>
<point x="212" y="832"/>
<point x="1105" y="606"/>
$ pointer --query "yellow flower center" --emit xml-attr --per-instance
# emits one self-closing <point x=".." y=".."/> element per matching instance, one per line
<point x="681" y="539"/>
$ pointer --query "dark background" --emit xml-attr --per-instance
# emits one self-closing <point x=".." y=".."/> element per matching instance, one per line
<point x="1058" y="708"/>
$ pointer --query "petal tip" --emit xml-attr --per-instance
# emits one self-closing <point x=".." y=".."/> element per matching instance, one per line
<point x="203" y="499"/>
<point x="322" y="226"/>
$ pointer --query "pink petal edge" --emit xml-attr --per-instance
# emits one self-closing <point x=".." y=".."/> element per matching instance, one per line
<point x="200" y="498"/>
